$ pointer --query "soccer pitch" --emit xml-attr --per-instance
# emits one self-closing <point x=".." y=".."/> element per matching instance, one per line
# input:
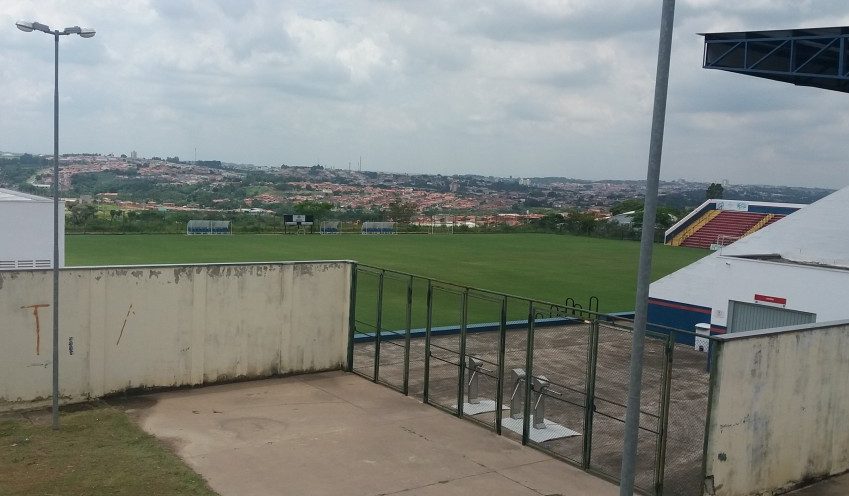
<point x="542" y="266"/>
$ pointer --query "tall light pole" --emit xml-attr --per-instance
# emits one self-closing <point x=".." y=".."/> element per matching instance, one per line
<point x="85" y="33"/>
<point x="632" y="415"/>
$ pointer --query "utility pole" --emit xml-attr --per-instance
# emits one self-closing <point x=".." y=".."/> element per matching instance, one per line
<point x="632" y="415"/>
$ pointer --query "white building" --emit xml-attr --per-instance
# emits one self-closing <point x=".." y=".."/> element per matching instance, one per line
<point x="26" y="231"/>
<point x="792" y="272"/>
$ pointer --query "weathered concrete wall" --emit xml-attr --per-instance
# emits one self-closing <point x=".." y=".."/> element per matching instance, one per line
<point x="165" y="326"/>
<point x="779" y="406"/>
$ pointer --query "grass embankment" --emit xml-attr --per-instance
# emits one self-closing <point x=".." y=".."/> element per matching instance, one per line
<point x="542" y="266"/>
<point x="96" y="452"/>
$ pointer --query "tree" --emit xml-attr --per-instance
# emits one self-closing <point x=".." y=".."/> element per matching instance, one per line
<point x="318" y="210"/>
<point x="715" y="190"/>
<point x="580" y="222"/>
<point x="665" y="217"/>
<point x="629" y="205"/>
<point x="401" y="212"/>
<point x="82" y="214"/>
<point x="550" y="221"/>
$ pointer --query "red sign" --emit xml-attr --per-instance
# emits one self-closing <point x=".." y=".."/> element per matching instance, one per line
<point x="775" y="300"/>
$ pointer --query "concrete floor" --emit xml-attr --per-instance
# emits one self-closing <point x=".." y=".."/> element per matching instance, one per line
<point x="336" y="433"/>
<point x="835" y="486"/>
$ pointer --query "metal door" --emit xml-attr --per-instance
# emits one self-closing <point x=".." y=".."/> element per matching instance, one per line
<point x="750" y="316"/>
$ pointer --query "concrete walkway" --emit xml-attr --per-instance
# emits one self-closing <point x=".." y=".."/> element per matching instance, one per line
<point x="835" y="486"/>
<point x="336" y="433"/>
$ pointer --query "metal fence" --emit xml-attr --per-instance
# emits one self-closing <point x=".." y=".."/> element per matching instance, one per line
<point x="551" y="376"/>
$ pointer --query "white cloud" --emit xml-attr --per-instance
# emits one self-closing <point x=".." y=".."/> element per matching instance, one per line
<point x="544" y="87"/>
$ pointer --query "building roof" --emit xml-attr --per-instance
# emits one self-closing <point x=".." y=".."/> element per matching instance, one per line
<point x="814" y="235"/>
<point x="7" y="195"/>
<point x="814" y="57"/>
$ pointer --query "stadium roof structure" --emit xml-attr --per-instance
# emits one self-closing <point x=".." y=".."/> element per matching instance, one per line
<point x="814" y="235"/>
<point x="817" y="57"/>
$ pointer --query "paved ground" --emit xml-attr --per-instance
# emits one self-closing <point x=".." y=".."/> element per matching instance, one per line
<point x="560" y="354"/>
<point x="336" y="433"/>
<point x="836" y="486"/>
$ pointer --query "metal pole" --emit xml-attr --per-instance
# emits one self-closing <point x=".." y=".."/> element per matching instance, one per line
<point x="632" y="417"/>
<point x="529" y="375"/>
<point x="428" y="326"/>
<point x="378" y="325"/>
<point x="352" y="317"/>
<point x="589" y="408"/>
<point x="502" y="345"/>
<point x="409" y="325"/>
<point x="461" y="370"/>
<point x="56" y="232"/>
<point x="663" y="421"/>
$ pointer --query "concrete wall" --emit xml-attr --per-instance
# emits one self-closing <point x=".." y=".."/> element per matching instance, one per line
<point x="779" y="407"/>
<point x="165" y="326"/>
<point x="26" y="233"/>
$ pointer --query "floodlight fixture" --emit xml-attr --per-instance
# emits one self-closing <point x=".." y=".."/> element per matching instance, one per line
<point x="44" y="28"/>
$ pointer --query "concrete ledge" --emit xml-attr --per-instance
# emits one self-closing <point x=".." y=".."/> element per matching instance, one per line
<point x="733" y="336"/>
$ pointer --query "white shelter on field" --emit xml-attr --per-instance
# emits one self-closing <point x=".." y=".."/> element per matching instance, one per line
<point x="792" y="272"/>
<point x="378" y="228"/>
<point x="26" y="231"/>
<point x="209" y="227"/>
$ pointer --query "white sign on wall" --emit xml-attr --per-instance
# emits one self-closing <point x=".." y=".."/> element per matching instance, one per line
<point x="739" y="206"/>
<point x="702" y="343"/>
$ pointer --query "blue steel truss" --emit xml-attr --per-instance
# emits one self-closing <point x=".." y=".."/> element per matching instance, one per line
<point x="805" y="57"/>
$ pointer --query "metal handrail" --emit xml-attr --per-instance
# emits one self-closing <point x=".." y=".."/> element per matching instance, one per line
<point x="607" y="317"/>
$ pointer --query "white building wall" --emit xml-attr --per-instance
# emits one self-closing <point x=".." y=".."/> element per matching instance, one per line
<point x="26" y="233"/>
<point x="166" y="326"/>
<point x="714" y="280"/>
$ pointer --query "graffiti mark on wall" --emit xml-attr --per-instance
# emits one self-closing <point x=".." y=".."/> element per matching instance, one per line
<point x="124" y="325"/>
<point x="37" y="324"/>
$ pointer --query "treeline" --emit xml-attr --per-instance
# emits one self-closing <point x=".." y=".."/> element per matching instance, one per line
<point x="130" y="186"/>
<point x="87" y="219"/>
<point x="83" y="219"/>
<point x="16" y="172"/>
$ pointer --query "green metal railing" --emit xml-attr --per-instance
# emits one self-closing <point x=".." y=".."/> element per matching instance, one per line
<point x="417" y="335"/>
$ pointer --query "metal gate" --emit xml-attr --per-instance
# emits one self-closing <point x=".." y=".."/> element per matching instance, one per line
<point x="551" y="376"/>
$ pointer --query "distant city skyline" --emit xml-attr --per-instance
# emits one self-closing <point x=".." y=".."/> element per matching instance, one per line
<point x="501" y="88"/>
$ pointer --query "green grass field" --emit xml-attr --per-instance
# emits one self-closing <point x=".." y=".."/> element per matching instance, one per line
<point x="541" y="266"/>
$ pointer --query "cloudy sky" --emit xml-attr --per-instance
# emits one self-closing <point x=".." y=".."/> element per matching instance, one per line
<point x="501" y="87"/>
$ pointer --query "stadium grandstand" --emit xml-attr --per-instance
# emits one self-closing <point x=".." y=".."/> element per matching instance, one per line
<point x="717" y="222"/>
<point x="791" y="273"/>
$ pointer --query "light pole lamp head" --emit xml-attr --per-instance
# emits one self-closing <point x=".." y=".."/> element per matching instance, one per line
<point x="44" y="28"/>
<point x="86" y="33"/>
<point x="72" y="30"/>
<point x="28" y="26"/>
